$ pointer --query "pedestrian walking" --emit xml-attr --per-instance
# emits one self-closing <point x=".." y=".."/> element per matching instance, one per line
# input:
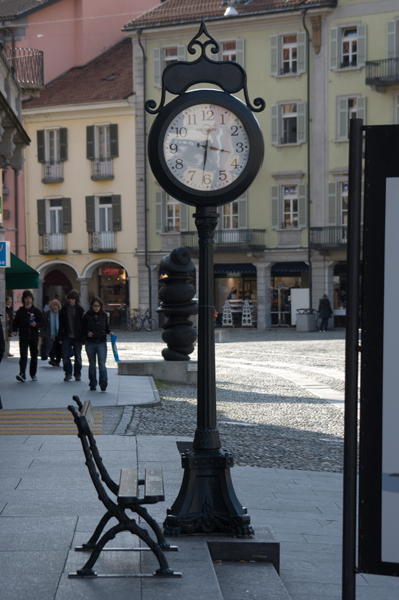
<point x="9" y="320"/>
<point x="70" y="335"/>
<point x="95" y="329"/>
<point x="325" y="312"/>
<point x="2" y="348"/>
<point x="53" y="348"/>
<point x="28" y="320"/>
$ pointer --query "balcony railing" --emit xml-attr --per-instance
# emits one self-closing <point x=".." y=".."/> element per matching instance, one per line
<point x="28" y="65"/>
<point x="102" y="241"/>
<point x="229" y="240"/>
<point x="382" y="72"/>
<point x="53" y="172"/>
<point x="102" y="169"/>
<point x="328" y="237"/>
<point x="53" y="243"/>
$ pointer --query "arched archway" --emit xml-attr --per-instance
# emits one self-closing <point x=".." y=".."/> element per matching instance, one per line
<point x="57" y="278"/>
<point x="109" y="279"/>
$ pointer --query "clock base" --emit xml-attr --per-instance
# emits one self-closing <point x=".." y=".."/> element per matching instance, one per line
<point x="207" y="501"/>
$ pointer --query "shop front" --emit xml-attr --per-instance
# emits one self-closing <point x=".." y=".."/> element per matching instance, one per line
<point x="284" y="278"/>
<point x="235" y="283"/>
<point x="113" y="288"/>
<point x="339" y="298"/>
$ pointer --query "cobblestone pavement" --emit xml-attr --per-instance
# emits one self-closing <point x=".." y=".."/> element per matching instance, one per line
<point x="264" y="420"/>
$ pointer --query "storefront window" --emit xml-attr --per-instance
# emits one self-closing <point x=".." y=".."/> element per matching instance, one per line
<point x="113" y="287"/>
<point x="281" y="299"/>
<point x="236" y="290"/>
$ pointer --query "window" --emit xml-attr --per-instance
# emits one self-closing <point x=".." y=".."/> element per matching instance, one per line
<point x="393" y="39"/>
<point x="288" y="123"/>
<point x="101" y="149"/>
<point x="54" y="220"/>
<point x="170" y="214"/>
<point x="348" y="47"/>
<point x="288" y="206"/>
<point x="288" y="54"/>
<point x="233" y="50"/>
<point x="230" y="215"/>
<point x="338" y="211"/>
<point x="162" y="57"/>
<point x="103" y="219"/>
<point x="348" y="108"/>
<point x="52" y="152"/>
<point x="343" y="208"/>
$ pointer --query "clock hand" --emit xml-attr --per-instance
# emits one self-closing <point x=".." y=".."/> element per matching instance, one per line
<point x="205" y="153"/>
<point x="219" y="149"/>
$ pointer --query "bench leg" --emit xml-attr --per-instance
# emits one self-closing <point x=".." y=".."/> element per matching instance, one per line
<point x="131" y="525"/>
<point x="162" y="543"/>
<point x="97" y="532"/>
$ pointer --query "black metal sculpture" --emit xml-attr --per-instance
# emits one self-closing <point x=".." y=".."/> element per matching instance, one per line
<point x="177" y="305"/>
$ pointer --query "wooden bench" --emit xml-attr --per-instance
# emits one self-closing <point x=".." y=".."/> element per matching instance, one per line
<point x="127" y="497"/>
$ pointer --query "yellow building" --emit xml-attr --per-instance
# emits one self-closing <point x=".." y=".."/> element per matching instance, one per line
<point x="316" y="64"/>
<point x="80" y="185"/>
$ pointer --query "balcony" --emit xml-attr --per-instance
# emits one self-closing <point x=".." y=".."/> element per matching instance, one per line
<point x="328" y="237"/>
<point x="102" y="241"/>
<point x="28" y="66"/>
<point x="102" y="169"/>
<point x="381" y="73"/>
<point x="53" y="172"/>
<point x="52" y="243"/>
<point x="229" y="240"/>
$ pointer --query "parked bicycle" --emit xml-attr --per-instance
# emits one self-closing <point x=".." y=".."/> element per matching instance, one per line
<point x="148" y="323"/>
<point x="145" y="321"/>
<point x="135" y="322"/>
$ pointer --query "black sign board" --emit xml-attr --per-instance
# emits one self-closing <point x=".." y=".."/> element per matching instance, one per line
<point x="379" y="421"/>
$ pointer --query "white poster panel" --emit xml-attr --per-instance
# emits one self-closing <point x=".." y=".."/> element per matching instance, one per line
<point x="390" y="395"/>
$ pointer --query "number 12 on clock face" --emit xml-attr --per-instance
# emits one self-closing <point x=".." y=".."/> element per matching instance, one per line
<point x="206" y="147"/>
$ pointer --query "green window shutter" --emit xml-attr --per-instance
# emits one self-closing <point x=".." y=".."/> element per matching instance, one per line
<point x="90" y="214"/>
<point x="302" y="204"/>
<point x="63" y="144"/>
<point x="275" y="137"/>
<point x="41" y="157"/>
<point x="334" y="48"/>
<point x="157" y="67"/>
<point x="274" y="71"/>
<point x="41" y="217"/>
<point x="332" y="203"/>
<point x="342" y="119"/>
<point x="302" y="48"/>
<point x="113" y="135"/>
<point x="183" y="217"/>
<point x="90" y="142"/>
<point x="116" y="213"/>
<point x="240" y="52"/>
<point x="181" y="52"/>
<point x="361" y="45"/>
<point x="361" y="109"/>
<point x="275" y="206"/>
<point x="66" y="215"/>
<point x="159" y="211"/>
<point x="391" y="38"/>
<point x="243" y="212"/>
<point x="301" y="123"/>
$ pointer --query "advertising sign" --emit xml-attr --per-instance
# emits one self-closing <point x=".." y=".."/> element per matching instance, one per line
<point x="379" y="414"/>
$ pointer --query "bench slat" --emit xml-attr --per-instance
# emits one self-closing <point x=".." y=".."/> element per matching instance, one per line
<point x="128" y="486"/>
<point x="88" y="414"/>
<point x="154" y="484"/>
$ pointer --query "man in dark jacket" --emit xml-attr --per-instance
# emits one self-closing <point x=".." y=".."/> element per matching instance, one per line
<point x="325" y="312"/>
<point x="70" y="335"/>
<point x="28" y="320"/>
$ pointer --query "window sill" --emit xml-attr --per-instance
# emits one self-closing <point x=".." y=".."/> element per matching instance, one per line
<point x="52" y="180"/>
<point x="292" y="145"/>
<point x="102" y="177"/>
<point x="288" y="75"/>
<point x="343" y="141"/>
<point x="345" y="69"/>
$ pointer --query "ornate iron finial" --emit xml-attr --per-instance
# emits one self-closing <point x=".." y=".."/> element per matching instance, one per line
<point x="178" y="76"/>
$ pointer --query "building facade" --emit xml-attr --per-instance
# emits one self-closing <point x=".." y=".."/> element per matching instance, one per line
<point x="317" y="65"/>
<point x="80" y="182"/>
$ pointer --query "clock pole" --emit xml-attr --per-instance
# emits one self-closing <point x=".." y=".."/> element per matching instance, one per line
<point x="207" y="501"/>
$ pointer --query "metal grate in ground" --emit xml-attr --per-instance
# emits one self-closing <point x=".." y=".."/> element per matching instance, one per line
<point x="43" y="422"/>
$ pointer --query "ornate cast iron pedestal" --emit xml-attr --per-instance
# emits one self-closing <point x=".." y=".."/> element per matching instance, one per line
<point x="207" y="501"/>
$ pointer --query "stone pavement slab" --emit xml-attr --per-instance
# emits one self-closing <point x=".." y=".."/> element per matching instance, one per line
<point x="52" y="392"/>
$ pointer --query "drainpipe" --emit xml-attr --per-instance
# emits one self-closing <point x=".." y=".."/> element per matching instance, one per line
<point x="305" y="10"/>
<point x="145" y="176"/>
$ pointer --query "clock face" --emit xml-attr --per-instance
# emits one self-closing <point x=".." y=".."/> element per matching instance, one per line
<point x="206" y="147"/>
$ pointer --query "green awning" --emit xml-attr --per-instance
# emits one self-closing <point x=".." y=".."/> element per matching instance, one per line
<point x="20" y="276"/>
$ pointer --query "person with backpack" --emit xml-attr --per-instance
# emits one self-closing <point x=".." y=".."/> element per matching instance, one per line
<point x="27" y="321"/>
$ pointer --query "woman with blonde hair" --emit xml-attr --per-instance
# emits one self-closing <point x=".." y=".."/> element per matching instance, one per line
<point x="50" y="335"/>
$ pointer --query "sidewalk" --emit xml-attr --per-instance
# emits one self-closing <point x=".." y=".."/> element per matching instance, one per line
<point x="48" y="504"/>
